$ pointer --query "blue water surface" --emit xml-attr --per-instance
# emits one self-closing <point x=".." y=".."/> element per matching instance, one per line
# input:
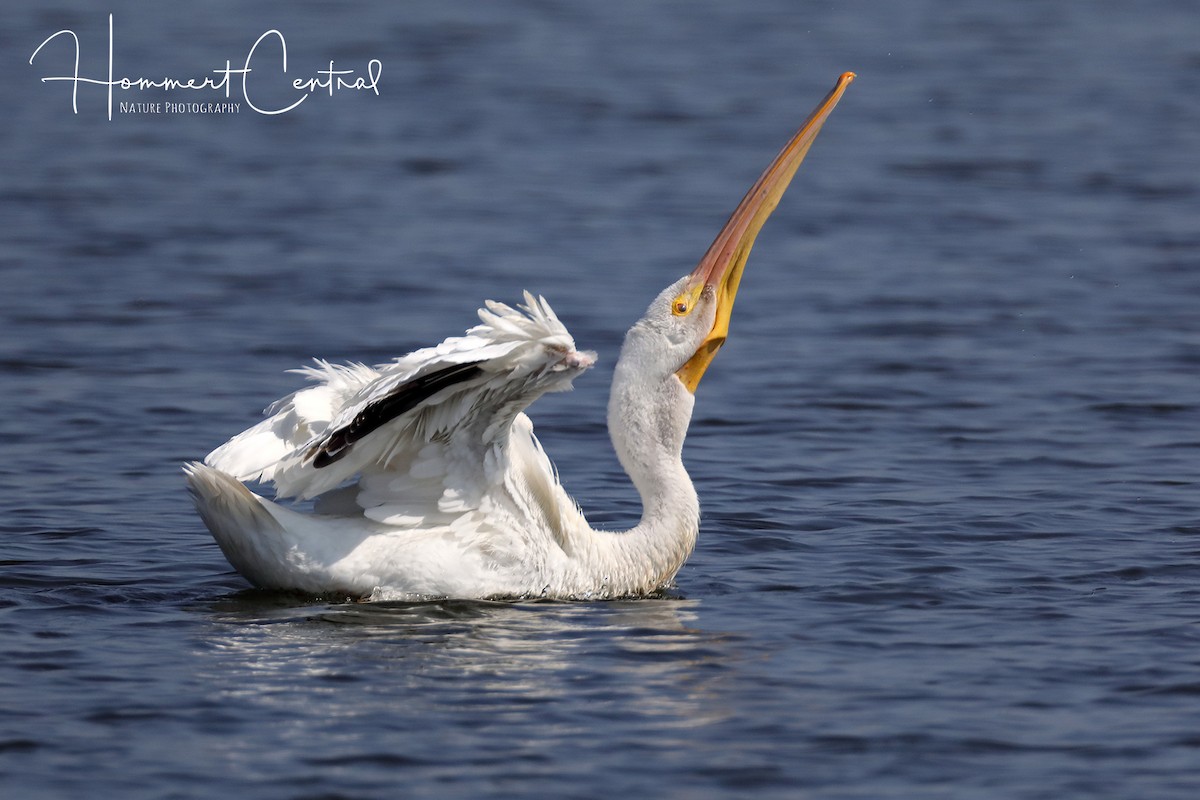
<point x="948" y="460"/>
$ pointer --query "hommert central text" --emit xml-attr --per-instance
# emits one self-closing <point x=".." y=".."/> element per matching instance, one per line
<point x="222" y="80"/>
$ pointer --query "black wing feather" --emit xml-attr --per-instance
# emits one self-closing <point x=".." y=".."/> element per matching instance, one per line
<point x="404" y="398"/>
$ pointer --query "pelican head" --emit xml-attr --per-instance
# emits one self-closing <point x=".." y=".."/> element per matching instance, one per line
<point x="668" y="350"/>
<point x="704" y="299"/>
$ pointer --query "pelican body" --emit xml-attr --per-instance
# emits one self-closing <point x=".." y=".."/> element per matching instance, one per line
<point x="426" y="478"/>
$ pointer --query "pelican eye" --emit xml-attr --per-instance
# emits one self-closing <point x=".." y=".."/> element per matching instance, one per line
<point x="680" y="306"/>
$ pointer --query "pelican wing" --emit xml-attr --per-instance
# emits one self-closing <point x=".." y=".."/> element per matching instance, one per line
<point x="435" y="411"/>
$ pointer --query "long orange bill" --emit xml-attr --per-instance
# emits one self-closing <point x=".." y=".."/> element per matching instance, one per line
<point x="722" y="265"/>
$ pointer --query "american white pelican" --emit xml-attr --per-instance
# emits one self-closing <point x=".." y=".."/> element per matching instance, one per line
<point x="427" y="478"/>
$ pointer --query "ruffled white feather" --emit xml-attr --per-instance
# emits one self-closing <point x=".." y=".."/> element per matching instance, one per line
<point x="522" y="353"/>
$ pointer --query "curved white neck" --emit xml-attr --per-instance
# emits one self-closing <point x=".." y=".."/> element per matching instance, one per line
<point x="647" y="422"/>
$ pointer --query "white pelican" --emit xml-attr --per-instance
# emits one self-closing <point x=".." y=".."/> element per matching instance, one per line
<point x="427" y="478"/>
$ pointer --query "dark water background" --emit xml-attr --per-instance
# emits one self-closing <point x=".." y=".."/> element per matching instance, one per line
<point x="949" y="460"/>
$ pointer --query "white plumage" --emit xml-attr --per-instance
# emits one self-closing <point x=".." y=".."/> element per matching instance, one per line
<point x="519" y="357"/>
<point x="426" y="477"/>
<point x="453" y="497"/>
